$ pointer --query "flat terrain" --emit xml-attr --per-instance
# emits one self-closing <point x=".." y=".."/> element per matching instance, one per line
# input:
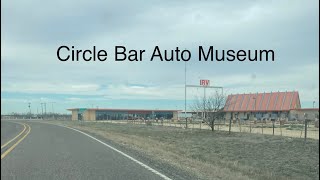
<point x="215" y="155"/>
<point x="54" y="152"/>
<point x="290" y="129"/>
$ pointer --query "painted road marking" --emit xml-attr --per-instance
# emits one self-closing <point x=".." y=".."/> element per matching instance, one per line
<point x="122" y="153"/>
<point x="24" y="128"/>
<point x="14" y="145"/>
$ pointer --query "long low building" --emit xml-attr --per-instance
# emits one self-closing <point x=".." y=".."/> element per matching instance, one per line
<point x="273" y="105"/>
<point x="92" y="114"/>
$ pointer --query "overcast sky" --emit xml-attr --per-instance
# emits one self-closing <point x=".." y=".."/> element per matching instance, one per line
<point x="33" y="30"/>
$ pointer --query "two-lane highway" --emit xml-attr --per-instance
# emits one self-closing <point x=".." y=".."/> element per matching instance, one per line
<point x="9" y="145"/>
<point x="54" y="152"/>
<point x="10" y="131"/>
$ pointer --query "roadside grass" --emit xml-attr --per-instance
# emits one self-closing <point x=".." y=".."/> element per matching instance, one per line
<point x="216" y="155"/>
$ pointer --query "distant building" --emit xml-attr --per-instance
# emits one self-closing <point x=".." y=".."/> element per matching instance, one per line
<point x="92" y="114"/>
<point x="308" y="113"/>
<point x="269" y="106"/>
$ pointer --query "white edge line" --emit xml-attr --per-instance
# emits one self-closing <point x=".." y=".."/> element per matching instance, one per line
<point x="122" y="153"/>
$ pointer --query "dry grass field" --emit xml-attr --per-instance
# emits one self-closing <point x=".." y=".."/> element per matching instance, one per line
<point x="288" y="129"/>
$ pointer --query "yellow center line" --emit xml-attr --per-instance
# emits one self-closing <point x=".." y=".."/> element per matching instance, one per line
<point x="13" y="146"/>
<point x="24" y="128"/>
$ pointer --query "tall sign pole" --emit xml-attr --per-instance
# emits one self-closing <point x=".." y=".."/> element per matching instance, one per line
<point x="204" y="83"/>
<point x="185" y="93"/>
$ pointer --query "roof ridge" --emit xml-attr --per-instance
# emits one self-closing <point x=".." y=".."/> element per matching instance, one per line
<point x="264" y="93"/>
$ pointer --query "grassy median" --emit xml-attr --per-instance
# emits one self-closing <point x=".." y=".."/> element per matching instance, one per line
<point x="216" y="155"/>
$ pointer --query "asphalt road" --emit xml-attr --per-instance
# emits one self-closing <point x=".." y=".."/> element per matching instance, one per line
<point x="9" y="131"/>
<point x="54" y="152"/>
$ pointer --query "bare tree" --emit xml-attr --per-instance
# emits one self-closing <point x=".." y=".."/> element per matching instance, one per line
<point x="211" y="108"/>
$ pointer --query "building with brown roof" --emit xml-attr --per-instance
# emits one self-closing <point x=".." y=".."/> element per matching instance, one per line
<point x="269" y="106"/>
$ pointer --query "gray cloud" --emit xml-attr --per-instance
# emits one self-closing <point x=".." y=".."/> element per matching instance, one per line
<point x="33" y="30"/>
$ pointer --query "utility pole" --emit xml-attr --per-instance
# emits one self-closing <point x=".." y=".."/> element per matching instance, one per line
<point x="52" y="109"/>
<point x="41" y="110"/>
<point x="45" y="108"/>
<point x="29" y="108"/>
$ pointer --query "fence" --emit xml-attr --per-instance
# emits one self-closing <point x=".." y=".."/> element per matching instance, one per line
<point x="279" y="128"/>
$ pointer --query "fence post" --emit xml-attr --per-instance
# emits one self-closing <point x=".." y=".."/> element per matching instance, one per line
<point x="305" y="130"/>
<point x="280" y="128"/>
<point x="200" y="125"/>
<point x="230" y="126"/>
<point x="262" y="126"/>
<point x="273" y="127"/>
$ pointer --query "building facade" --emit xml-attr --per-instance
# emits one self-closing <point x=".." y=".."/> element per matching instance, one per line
<point x="93" y="114"/>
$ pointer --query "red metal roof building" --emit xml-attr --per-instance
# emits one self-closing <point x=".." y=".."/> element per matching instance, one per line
<point x="263" y="102"/>
<point x="273" y="105"/>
